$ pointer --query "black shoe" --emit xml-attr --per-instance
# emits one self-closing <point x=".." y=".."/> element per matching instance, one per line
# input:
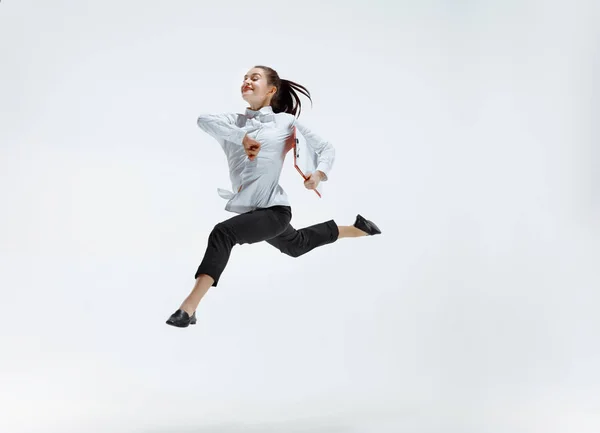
<point x="181" y="319"/>
<point x="366" y="226"/>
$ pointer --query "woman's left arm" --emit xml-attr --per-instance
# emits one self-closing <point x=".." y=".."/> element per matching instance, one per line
<point x="323" y="148"/>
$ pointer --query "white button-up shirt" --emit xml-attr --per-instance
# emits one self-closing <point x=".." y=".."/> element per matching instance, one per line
<point x="256" y="183"/>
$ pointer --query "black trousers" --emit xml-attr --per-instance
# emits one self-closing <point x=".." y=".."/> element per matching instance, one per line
<point x="267" y="224"/>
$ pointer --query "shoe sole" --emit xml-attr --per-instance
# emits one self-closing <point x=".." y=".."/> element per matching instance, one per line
<point x="180" y="326"/>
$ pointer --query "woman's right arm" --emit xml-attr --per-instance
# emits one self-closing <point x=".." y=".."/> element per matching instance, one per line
<point x="222" y="127"/>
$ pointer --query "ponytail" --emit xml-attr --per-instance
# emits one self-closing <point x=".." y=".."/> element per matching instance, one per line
<point x="286" y="99"/>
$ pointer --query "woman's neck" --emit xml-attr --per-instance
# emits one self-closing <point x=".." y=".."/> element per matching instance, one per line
<point x="257" y="107"/>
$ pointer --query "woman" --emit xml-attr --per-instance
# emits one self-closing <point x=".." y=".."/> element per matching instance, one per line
<point x="256" y="144"/>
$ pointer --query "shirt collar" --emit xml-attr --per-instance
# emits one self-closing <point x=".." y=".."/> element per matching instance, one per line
<point x="265" y="114"/>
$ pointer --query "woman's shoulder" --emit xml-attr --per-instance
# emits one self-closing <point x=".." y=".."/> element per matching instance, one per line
<point x="226" y="116"/>
<point x="285" y="119"/>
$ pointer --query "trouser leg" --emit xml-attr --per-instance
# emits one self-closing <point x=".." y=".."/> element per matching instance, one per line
<point x="295" y="243"/>
<point x="247" y="228"/>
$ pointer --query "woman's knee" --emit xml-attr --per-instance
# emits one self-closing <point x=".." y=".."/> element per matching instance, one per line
<point x="221" y="230"/>
<point x="294" y="253"/>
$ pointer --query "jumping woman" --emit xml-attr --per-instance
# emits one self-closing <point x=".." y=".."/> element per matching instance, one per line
<point x="256" y="144"/>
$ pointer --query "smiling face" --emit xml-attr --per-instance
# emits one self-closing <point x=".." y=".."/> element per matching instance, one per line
<point x="255" y="89"/>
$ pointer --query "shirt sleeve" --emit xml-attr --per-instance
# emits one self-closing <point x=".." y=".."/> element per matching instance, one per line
<point x="222" y="127"/>
<point x="324" y="149"/>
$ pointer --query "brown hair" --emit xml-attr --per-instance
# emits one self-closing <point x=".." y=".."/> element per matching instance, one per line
<point x="285" y="100"/>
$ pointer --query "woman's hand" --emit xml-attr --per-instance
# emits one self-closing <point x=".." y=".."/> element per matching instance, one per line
<point x="251" y="146"/>
<point x="312" y="182"/>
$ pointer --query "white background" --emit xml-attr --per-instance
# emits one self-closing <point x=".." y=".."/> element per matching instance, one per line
<point x="465" y="130"/>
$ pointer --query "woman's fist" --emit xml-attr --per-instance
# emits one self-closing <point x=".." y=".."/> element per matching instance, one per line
<point x="313" y="179"/>
<point x="251" y="146"/>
